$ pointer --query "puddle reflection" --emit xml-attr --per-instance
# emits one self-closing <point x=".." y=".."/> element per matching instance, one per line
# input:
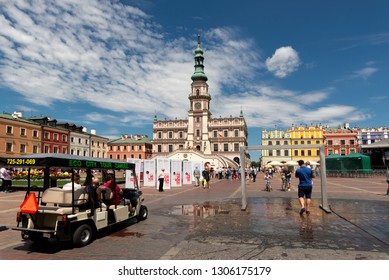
<point x="306" y="229"/>
<point x="199" y="211"/>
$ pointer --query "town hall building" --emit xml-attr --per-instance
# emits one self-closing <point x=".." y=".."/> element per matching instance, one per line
<point x="200" y="137"/>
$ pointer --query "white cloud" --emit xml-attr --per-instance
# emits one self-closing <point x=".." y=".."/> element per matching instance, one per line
<point x="115" y="59"/>
<point x="364" y="73"/>
<point x="284" y="61"/>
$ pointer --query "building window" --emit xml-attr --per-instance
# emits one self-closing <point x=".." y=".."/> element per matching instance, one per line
<point x="215" y="133"/>
<point x="55" y="150"/>
<point x="46" y="135"/>
<point x="236" y="147"/>
<point x="278" y="153"/>
<point x="317" y="152"/>
<point x="285" y="142"/>
<point x="342" y="142"/>
<point x="352" y="142"/>
<point x="225" y="133"/>
<point x="170" y="148"/>
<point x="140" y="148"/>
<point x="302" y="153"/>
<point x="64" y="138"/>
<point x="197" y="132"/>
<point x="197" y="119"/>
<point x="79" y="140"/>
<point x="8" y="147"/>
<point x="330" y="142"/>
<point x="296" y="153"/>
<point x="277" y="142"/>
<point x="22" y="148"/>
<point x="181" y="134"/>
<point x="236" y="133"/>
<point x="270" y="153"/>
<point x="22" y="132"/>
<point x="159" y="149"/>
<point x="64" y="150"/>
<point x="295" y="142"/>
<point x="309" y="153"/>
<point x="55" y="137"/>
<point x="46" y="149"/>
<point x="270" y="143"/>
<point x="286" y="153"/>
<point x="302" y="142"/>
<point x="9" y="129"/>
<point x="226" y="147"/>
<point x="72" y="139"/>
<point x="35" y="149"/>
<point x="215" y="147"/>
<point x="330" y="151"/>
<point x="343" y="152"/>
<point x="35" y="133"/>
<point x="132" y="155"/>
<point x="140" y="156"/>
<point x="117" y="156"/>
<point x="170" y="134"/>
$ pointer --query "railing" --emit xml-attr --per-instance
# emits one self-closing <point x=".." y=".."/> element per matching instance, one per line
<point x="358" y="173"/>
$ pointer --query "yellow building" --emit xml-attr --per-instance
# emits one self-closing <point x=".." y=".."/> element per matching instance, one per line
<point x="306" y="136"/>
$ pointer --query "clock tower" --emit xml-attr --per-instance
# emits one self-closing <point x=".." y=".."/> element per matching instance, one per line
<point x="199" y="112"/>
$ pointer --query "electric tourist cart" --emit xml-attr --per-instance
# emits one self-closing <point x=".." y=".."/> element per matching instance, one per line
<point x="74" y="214"/>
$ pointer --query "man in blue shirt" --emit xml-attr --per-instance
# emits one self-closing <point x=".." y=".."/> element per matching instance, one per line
<point x="305" y="175"/>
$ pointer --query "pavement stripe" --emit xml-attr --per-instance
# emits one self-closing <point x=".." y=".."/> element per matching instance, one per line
<point x="352" y="188"/>
<point x="10" y="210"/>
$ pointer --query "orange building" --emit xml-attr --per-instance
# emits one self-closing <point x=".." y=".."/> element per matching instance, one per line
<point x="19" y="136"/>
<point x="126" y="147"/>
<point x="341" y="141"/>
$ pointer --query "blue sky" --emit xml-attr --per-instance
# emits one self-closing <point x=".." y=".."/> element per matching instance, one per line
<point x="111" y="65"/>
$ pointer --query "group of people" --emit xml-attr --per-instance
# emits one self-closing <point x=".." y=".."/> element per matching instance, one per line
<point x="304" y="173"/>
<point x="206" y="175"/>
<point x="6" y="179"/>
<point x="97" y="196"/>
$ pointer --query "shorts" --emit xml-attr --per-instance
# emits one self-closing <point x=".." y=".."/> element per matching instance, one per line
<point x="305" y="191"/>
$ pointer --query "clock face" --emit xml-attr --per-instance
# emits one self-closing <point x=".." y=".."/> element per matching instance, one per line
<point x="198" y="105"/>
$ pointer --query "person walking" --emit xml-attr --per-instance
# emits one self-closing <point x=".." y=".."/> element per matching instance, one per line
<point x="161" y="179"/>
<point x="7" y="179"/>
<point x="305" y="176"/>
<point x="206" y="178"/>
<point x="196" y="174"/>
<point x="253" y="173"/>
<point x="2" y="171"/>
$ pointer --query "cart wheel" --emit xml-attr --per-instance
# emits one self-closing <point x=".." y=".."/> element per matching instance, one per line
<point x="143" y="213"/>
<point x="83" y="235"/>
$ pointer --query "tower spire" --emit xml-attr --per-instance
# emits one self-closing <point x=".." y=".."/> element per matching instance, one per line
<point x="199" y="74"/>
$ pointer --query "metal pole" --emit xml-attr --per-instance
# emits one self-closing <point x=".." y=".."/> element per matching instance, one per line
<point x="243" y="178"/>
<point x="323" y="178"/>
<point x="387" y="179"/>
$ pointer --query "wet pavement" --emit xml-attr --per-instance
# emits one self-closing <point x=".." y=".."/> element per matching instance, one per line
<point x="190" y="223"/>
<point x="272" y="228"/>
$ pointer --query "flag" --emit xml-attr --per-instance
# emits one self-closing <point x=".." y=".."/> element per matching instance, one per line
<point x="221" y="136"/>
